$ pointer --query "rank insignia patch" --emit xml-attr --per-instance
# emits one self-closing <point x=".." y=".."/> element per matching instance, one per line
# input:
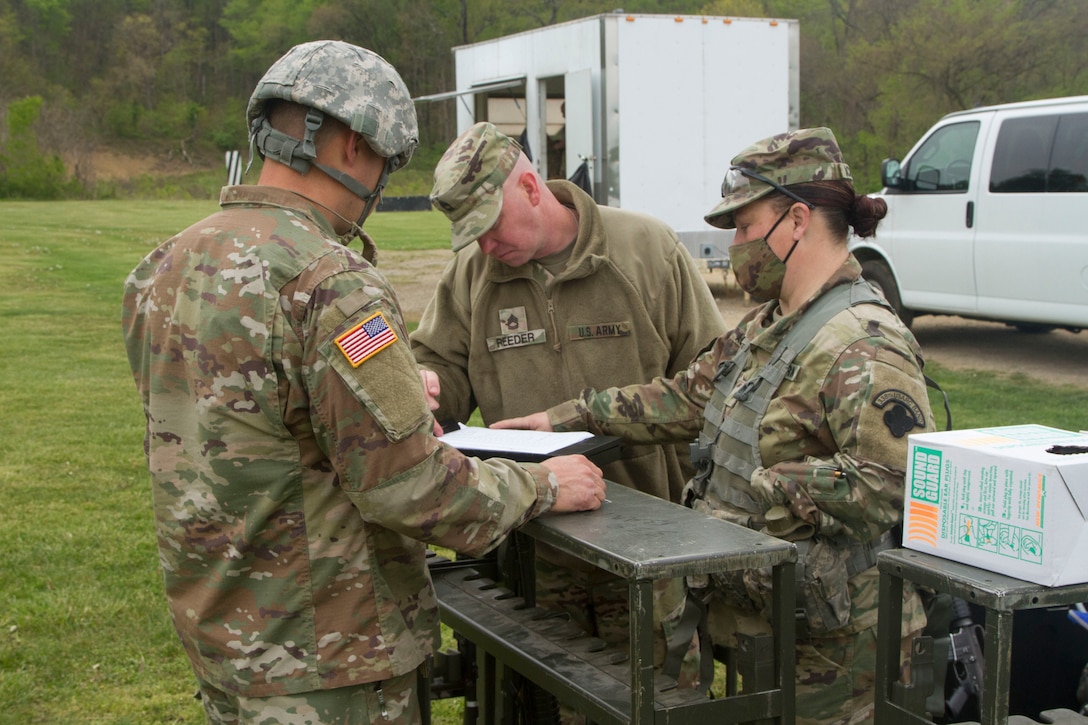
<point x="513" y="320"/>
<point x="366" y="339"/>
<point x="514" y="331"/>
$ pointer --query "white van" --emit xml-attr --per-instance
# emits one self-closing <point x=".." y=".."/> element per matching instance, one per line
<point x="988" y="218"/>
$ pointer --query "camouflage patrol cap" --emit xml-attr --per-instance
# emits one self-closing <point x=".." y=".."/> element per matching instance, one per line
<point x="351" y="84"/>
<point x="796" y="157"/>
<point x="468" y="181"/>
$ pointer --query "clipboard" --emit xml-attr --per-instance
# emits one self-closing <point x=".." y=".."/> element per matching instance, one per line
<point x="599" y="449"/>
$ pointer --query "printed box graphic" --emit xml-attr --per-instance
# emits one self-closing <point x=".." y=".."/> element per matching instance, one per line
<point x="1011" y="499"/>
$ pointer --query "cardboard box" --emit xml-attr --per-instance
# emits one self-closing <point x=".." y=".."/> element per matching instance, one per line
<point x="1012" y="500"/>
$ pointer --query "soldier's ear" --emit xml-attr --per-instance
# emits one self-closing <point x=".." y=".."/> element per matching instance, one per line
<point x="529" y="183"/>
<point x="355" y="146"/>
<point x="801" y="216"/>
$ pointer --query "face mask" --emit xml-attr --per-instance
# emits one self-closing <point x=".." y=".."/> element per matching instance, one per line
<point x="758" y="269"/>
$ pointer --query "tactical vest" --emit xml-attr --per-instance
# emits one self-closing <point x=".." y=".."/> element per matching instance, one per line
<point x="727" y="452"/>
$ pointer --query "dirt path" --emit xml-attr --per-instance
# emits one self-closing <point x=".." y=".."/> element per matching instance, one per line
<point x="1058" y="357"/>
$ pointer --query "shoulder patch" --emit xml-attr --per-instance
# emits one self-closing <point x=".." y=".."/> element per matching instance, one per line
<point x="388" y="384"/>
<point x="366" y="339"/>
<point x="901" y="413"/>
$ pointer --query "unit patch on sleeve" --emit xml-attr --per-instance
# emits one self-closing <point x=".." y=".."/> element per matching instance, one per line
<point x="515" y="332"/>
<point x="599" y="329"/>
<point x="366" y="339"/>
<point x="901" y="413"/>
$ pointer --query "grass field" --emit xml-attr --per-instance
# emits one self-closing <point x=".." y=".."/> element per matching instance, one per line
<point x="84" y="631"/>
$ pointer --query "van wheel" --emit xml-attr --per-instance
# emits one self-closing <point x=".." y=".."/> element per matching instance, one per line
<point x="881" y="277"/>
<point x="1033" y="328"/>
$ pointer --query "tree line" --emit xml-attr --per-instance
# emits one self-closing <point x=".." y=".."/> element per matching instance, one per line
<point x="76" y="74"/>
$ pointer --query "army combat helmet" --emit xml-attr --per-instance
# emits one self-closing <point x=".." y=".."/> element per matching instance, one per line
<point x="353" y="85"/>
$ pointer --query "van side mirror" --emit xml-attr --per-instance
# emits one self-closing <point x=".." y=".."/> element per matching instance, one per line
<point x="891" y="173"/>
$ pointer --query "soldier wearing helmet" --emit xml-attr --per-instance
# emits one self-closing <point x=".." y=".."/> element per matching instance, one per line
<point x="801" y="414"/>
<point x="295" y="473"/>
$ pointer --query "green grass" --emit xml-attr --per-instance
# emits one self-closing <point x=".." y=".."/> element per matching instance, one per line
<point x="84" y="632"/>
<point x="985" y="398"/>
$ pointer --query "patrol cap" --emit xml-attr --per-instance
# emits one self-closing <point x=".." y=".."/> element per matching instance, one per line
<point x="795" y="157"/>
<point x="468" y="181"/>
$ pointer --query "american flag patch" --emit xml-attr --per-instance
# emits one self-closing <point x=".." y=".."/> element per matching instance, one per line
<point x="365" y="339"/>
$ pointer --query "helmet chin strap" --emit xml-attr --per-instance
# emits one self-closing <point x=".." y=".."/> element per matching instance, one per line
<point x="370" y="248"/>
<point x="301" y="155"/>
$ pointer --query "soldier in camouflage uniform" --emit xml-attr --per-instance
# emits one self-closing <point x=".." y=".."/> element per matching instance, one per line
<point x="803" y="436"/>
<point x="295" y="472"/>
<point x="549" y="293"/>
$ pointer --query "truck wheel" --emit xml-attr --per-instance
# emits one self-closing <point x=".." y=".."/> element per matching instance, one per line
<point x="881" y="277"/>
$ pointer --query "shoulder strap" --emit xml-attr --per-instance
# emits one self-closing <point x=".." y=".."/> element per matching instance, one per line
<point x="831" y="303"/>
<point x="822" y="310"/>
<point x="931" y="383"/>
<point x="814" y="318"/>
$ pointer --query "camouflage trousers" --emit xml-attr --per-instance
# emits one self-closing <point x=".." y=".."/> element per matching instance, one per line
<point x="835" y="676"/>
<point x="395" y="700"/>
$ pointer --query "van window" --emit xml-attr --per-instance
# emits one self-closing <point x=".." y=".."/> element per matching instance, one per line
<point x="1022" y="155"/>
<point x="1069" y="171"/>
<point x="943" y="161"/>
<point x="1040" y="154"/>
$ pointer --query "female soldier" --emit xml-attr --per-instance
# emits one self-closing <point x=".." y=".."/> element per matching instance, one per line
<point x="802" y="414"/>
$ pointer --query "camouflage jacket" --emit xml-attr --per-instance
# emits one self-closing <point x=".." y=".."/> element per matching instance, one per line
<point x="629" y="305"/>
<point x="294" y="471"/>
<point x="831" y="453"/>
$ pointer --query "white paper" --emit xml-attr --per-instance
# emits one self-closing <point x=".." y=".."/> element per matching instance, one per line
<point x="511" y="441"/>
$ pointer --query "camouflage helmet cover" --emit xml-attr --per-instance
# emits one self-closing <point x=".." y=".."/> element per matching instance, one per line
<point x="351" y="84"/>
<point x="468" y="181"/>
<point x="795" y="157"/>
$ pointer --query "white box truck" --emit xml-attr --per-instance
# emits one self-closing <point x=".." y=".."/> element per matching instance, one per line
<point x="655" y="105"/>
<point x="984" y="218"/>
